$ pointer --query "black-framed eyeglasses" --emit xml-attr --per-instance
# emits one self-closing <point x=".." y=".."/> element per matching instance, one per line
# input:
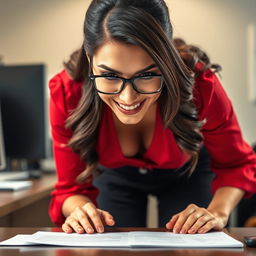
<point x="144" y="84"/>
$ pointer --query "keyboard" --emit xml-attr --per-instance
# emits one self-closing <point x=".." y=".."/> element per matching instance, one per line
<point x="15" y="185"/>
<point x="9" y="176"/>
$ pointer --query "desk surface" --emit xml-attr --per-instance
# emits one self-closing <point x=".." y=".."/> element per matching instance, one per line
<point x="12" y="201"/>
<point x="6" y="233"/>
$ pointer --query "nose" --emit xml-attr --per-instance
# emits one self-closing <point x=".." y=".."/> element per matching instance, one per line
<point x="128" y="95"/>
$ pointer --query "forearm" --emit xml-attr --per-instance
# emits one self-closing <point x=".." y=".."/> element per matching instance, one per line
<point x="73" y="202"/>
<point x="225" y="200"/>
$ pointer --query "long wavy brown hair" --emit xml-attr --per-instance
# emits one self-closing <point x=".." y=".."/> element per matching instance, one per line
<point x="146" y="24"/>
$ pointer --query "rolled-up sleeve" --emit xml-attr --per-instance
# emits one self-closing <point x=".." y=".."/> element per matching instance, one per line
<point x="232" y="159"/>
<point x="64" y="95"/>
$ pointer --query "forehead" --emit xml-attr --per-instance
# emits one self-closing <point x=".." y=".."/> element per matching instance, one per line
<point x="121" y="56"/>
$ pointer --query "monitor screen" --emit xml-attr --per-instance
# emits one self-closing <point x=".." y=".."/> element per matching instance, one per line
<point x="2" y="152"/>
<point x="24" y="111"/>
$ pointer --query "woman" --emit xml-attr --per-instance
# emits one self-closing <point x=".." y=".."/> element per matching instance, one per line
<point x="131" y="109"/>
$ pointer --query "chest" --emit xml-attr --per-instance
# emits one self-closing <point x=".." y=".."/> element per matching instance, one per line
<point x="135" y="140"/>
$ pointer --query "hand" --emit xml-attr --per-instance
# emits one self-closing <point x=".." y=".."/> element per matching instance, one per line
<point x="87" y="219"/>
<point x="197" y="220"/>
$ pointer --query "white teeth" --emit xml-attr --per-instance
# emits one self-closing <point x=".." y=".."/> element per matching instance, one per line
<point x="130" y="107"/>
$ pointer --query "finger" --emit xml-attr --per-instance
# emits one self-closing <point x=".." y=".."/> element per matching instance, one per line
<point x="183" y="217"/>
<point x="107" y="218"/>
<point x="83" y="218"/>
<point x="74" y="224"/>
<point x="179" y="223"/>
<point x="95" y="218"/>
<point x="171" y="223"/>
<point x="66" y="228"/>
<point x="200" y="222"/>
<point x="193" y="218"/>
<point x="208" y="226"/>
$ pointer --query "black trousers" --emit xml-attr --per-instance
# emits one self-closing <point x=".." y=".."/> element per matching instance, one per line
<point x="124" y="191"/>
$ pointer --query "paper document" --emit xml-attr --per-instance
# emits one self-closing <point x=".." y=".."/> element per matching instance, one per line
<point x="16" y="240"/>
<point x="129" y="239"/>
<point x="113" y="239"/>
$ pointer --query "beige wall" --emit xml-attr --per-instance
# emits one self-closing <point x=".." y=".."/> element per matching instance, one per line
<point x="49" y="30"/>
<point x="40" y="31"/>
<point x="220" y="27"/>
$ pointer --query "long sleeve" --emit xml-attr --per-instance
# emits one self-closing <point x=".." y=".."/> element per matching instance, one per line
<point x="232" y="159"/>
<point x="64" y="96"/>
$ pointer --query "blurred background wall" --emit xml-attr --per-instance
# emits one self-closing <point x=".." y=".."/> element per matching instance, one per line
<point x="36" y="31"/>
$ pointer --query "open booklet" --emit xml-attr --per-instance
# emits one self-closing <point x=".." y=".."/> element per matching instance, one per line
<point x="126" y="239"/>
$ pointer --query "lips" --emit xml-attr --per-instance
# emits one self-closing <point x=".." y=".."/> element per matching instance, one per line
<point x="130" y="109"/>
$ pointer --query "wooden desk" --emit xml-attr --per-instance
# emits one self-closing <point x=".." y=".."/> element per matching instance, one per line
<point x="28" y="207"/>
<point x="6" y="233"/>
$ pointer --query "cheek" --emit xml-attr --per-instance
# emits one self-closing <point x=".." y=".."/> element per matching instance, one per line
<point x="153" y="98"/>
<point x="106" y="98"/>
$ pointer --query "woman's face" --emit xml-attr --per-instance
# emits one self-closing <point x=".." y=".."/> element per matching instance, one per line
<point x="127" y="61"/>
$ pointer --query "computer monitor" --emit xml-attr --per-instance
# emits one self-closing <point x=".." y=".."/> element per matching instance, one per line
<point x="24" y="111"/>
<point x="2" y="151"/>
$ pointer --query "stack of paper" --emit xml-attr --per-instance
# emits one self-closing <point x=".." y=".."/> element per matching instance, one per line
<point x="127" y="239"/>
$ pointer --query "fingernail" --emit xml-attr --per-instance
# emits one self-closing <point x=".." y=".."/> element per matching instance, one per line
<point x="176" y="230"/>
<point x="183" y="231"/>
<point x="192" y="231"/>
<point x="100" y="229"/>
<point x="79" y="230"/>
<point x="89" y="230"/>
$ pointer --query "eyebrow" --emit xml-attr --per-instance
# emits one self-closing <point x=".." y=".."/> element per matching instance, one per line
<point x="120" y="73"/>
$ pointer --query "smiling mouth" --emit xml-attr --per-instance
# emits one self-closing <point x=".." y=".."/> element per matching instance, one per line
<point x="133" y="109"/>
<point x="129" y="107"/>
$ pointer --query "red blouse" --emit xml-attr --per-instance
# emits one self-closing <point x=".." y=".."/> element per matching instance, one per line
<point x="232" y="159"/>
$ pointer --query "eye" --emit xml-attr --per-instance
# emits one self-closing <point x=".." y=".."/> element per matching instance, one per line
<point x="109" y="76"/>
<point x="147" y="75"/>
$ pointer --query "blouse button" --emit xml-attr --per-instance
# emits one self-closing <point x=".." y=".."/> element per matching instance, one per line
<point x="143" y="171"/>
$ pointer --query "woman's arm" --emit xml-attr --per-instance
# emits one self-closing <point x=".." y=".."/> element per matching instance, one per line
<point x="64" y="96"/>
<point x="232" y="160"/>
<point x="225" y="200"/>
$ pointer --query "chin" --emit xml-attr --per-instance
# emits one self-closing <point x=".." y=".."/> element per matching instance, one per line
<point x="129" y="120"/>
